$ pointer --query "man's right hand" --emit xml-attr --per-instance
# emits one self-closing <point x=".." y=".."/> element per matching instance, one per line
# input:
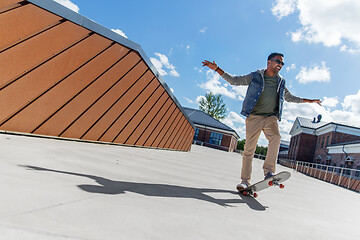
<point x="211" y="65"/>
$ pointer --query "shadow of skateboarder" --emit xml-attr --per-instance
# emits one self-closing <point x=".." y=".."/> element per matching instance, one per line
<point x="107" y="186"/>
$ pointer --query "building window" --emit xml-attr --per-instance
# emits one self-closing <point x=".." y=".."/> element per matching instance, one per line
<point x="328" y="160"/>
<point x="318" y="159"/>
<point x="196" y="135"/>
<point x="215" y="138"/>
<point x="322" y="142"/>
<point x="327" y="141"/>
<point x="318" y="143"/>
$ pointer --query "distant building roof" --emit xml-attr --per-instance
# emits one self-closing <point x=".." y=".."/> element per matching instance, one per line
<point x="309" y="126"/>
<point x="308" y="123"/>
<point x="201" y="118"/>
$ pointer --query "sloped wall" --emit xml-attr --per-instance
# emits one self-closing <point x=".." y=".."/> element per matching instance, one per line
<point x="61" y="79"/>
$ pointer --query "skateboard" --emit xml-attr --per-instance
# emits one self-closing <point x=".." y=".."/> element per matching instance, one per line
<point x="275" y="180"/>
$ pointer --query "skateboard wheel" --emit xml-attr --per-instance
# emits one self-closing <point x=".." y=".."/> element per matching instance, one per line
<point x="271" y="183"/>
<point x="245" y="193"/>
<point x="255" y="195"/>
<point x="281" y="186"/>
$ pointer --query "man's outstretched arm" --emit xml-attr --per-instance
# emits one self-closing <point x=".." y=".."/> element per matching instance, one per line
<point x="233" y="80"/>
<point x="318" y="101"/>
<point x="291" y="98"/>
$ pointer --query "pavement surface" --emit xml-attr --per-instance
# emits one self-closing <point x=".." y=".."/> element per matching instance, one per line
<point x="56" y="189"/>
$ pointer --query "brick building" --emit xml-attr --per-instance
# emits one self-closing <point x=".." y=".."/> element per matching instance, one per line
<point x="211" y="132"/>
<point x="320" y="142"/>
<point x="345" y="155"/>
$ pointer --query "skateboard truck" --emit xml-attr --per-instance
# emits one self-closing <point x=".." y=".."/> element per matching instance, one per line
<point x="251" y="193"/>
<point x="272" y="183"/>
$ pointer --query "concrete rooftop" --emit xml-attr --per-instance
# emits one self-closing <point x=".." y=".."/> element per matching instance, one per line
<point x="54" y="189"/>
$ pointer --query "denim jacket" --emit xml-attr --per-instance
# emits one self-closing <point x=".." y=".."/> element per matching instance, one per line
<point x="255" y="81"/>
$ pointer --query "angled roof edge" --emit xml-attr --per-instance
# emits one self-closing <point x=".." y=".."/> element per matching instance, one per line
<point x="340" y="124"/>
<point x="224" y="127"/>
<point x="87" y="23"/>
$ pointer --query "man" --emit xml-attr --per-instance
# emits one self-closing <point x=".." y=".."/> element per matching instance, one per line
<point x="262" y="108"/>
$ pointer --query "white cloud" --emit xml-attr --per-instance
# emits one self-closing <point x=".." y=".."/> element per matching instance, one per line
<point x="203" y="30"/>
<point x="296" y="36"/>
<point x="314" y="74"/>
<point x="240" y="91"/>
<point x="121" y="33"/>
<point x="69" y="4"/>
<point x="215" y="86"/>
<point x="352" y="103"/>
<point x="219" y="86"/>
<point x="198" y="99"/>
<point x="189" y="100"/>
<point x="307" y="110"/>
<point x="158" y="66"/>
<point x="332" y="23"/>
<point x="198" y="69"/>
<point x="163" y="61"/>
<point x="282" y="8"/>
<point x="330" y="102"/>
<point x="174" y="73"/>
<point x="285" y="127"/>
<point x="235" y="118"/>
<point x="236" y="122"/>
<point x="345" y="48"/>
<point x="292" y="67"/>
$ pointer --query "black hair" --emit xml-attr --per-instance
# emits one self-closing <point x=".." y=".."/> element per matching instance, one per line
<point x="274" y="54"/>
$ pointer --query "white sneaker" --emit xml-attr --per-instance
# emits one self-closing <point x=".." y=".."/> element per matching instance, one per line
<point x="242" y="186"/>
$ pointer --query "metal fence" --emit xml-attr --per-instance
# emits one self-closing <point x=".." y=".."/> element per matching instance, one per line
<point x="345" y="177"/>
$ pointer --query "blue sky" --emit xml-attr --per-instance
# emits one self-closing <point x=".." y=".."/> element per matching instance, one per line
<point x="319" y="38"/>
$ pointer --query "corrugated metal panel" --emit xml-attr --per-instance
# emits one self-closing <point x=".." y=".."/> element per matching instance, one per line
<point x="8" y="4"/>
<point x="70" y="78"/>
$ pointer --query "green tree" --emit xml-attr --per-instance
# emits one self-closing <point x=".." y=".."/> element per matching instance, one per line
<point x="259" y="149"/>
<point x="213" y="105"/>
<point x="241" y="145"/>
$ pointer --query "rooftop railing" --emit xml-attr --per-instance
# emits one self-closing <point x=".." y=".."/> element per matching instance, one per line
<point x="345" y="177"/>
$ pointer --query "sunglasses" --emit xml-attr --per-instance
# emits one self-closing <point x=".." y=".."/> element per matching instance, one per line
<point x="278" y="61"/>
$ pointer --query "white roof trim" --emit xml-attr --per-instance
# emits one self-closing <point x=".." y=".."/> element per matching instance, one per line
<point x="348" y="148"/>
<point x="217" y="130"/>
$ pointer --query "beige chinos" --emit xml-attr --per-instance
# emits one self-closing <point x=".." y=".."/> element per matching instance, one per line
<point x="254" y="125"/>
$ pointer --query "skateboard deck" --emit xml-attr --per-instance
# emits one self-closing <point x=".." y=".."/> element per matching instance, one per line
<point x="275" y="180"/>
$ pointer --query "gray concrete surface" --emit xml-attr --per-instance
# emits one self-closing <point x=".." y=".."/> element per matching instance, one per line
<point x="53" y="189"/>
